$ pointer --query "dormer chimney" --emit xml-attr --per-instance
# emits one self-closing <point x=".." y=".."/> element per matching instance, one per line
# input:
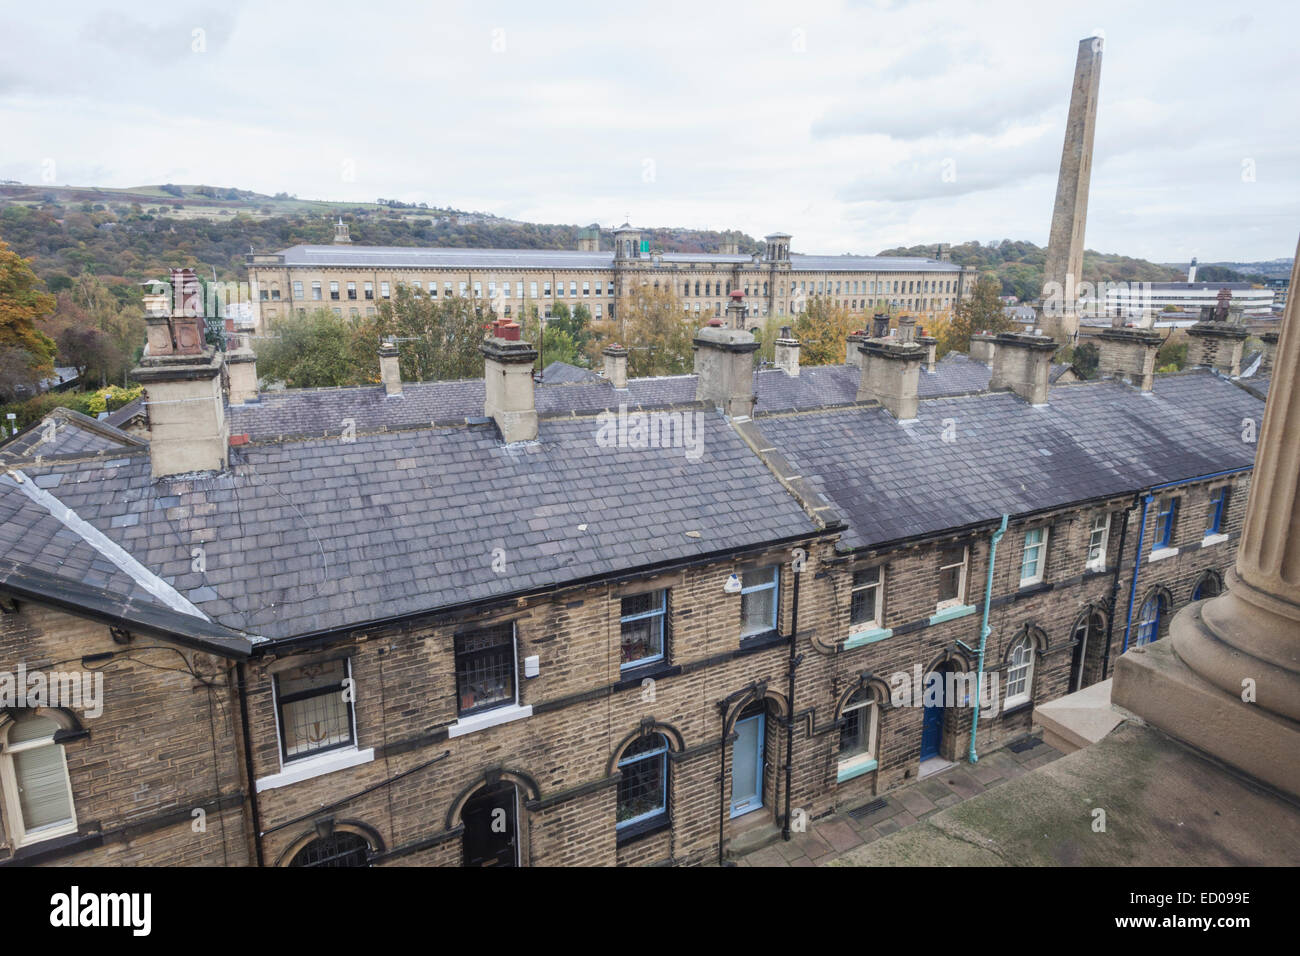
<point x="1022" y="363"/>
<point x="389" y="368"/>
<point x="891" y="373"/>
<point x="786" y="352"/>
<point x="1129" y="355"/>
<point x="724" y="368"/>
<point x="508" y="382"/>
<point x="616" y="365"/>
<point x="182" y="377"/>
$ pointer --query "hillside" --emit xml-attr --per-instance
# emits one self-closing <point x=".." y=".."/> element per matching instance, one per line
<point x="1019" y="265"/>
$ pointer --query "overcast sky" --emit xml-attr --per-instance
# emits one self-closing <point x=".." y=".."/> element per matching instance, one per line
<point x="833" y="121"/>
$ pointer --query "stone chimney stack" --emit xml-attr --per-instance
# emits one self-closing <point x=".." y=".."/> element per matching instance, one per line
<point x="891" y="373"/>
<point x="879" y="325"/>
<point x="389" y="371"/>
<point x="182" y="386"/>
<point x="1270" y="347"/>
<point x="931" y="346"/>
<point x="851" y="354"/>
<point x="241" y="371"/>
<point x="724" y="368"/>
<point x="1022" y="363"/>
<point x="1218" y="339"/>
<point x="616" y="365"/>
<point x="786" y="352"/>
<point x="1129" y="355"/>
<point x="508" y="382"/>
<point x="981" y="348"/>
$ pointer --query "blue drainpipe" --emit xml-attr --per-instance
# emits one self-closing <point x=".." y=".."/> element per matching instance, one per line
<point x="984" y="634"/>
<point x="1137" y="558"/>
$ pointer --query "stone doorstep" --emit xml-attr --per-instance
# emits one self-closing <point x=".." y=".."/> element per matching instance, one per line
<point x="753" y="837"/>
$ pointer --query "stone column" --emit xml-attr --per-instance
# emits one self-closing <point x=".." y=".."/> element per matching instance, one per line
<point x="1233" y="688"/>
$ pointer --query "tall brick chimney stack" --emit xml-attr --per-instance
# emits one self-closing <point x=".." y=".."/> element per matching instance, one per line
<point x="1022" y="363"/>
<point x="508" y="382"/>
<point x="1063" y="268"/>
<point x="182" y="376"/>
<point x="724" y="368"/>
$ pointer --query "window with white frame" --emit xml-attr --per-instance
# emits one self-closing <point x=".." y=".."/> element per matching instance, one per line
<point x="643" y="786"/>
<point x="1020" y="672"/>
<point x="642" y="621"/>
<point x="1148" y="628"/>
<point x="952" y="575"/>
<point x="1033" y="559"/>
<point x="1098" y="536"/>
<point x="865" y="606"/>
<point x="314" y="708"/>
<point x="858" y="723"/>
<point x="485" y="669"/>
<point x="758" y="600"/>
<point x="37" y="789"/>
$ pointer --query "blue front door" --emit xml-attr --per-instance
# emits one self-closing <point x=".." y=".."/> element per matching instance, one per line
<point x="932" y="722"/>
<point x="747" y="766"/>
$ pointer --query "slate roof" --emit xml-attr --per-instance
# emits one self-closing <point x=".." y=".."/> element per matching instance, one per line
<point x="322" y="411"/>
<point x="72" y="433"/>
<point x="414" y="257"/>
<point x="894" y="481"/>
<point x="124" y="414"/>
<point x="562" y="373"/>
<point x="319" y="534"/>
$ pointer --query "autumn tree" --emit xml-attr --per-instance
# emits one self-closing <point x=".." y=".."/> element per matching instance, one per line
<point x="438" y="338"/>
<point x="320" y="350"/>
<point x="982" y="312"/>
<point x="22" y="304"/>
<point x="822" y="329"/>
<point x="658" y="333"/>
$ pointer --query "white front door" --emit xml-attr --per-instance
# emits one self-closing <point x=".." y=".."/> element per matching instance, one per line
<point x="747" y="766"/>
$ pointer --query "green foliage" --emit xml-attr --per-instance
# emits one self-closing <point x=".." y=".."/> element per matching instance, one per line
<point x="822" y="329"/>
<point x="34" y="409"/>
<point x="1085" y="357"/>
<point x="982" y="312"/>
<point x="112" y="398"/>
<point x="438" y="338"/>
<point x="1172" y="356"/>
<point x="320" y="350"/>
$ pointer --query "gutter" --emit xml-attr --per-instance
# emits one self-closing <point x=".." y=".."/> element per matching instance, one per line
<point x="984" y="634"/>
<point x="1137" y="558"/>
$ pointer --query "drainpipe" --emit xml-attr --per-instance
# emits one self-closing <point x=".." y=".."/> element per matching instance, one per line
<point x="1114" y="590"/>
<point x="789" y="699"/>
<point x="1146" y="503"/>
<point x="984" y="633"/>
<point x="248" y="764"/>
<point x="722" y="782"/>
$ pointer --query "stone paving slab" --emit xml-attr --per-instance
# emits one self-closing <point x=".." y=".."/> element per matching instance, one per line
<point x="839" y="836"/>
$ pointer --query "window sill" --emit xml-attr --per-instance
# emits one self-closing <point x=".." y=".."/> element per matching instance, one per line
<point x="310" y="767"/>
<point x="491" y="718"/>
<point x="855" y="768"/>
<point x="642" y="829"/>
<point x="1212" y="539"/>
<point x="1016" y="706"/>
<point x="1095" y="567"/>
<point x="1159" y="554"/>
<point x="870" y="636"/>
<point x="634" y="676"/>
<point x="952" y="613"/>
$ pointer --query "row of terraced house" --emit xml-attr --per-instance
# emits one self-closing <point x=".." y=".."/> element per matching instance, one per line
<point x="611" y="622"/>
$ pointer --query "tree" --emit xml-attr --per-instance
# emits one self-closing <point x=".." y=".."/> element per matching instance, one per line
<point x="659" y="335"/>
<point x="320" y="350"/>
<point x="982" y="312"/>
<point x="22" y="304"/>
<point x="439" y="338"/>
<point x="17" y="376"/>
<point x="1086" y="357"/>
<point x="822" y="329"/>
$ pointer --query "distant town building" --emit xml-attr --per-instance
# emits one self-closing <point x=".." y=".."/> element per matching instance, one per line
<point x="1137" y="299"/>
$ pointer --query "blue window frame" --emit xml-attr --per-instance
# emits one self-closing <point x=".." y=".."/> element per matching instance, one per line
<point x="1218" y="504"/>
<point x="643" y="789"/>
<point x="642" y="619"/>
<point x="758" y="601"/>
<point x="1165" y="517"/>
